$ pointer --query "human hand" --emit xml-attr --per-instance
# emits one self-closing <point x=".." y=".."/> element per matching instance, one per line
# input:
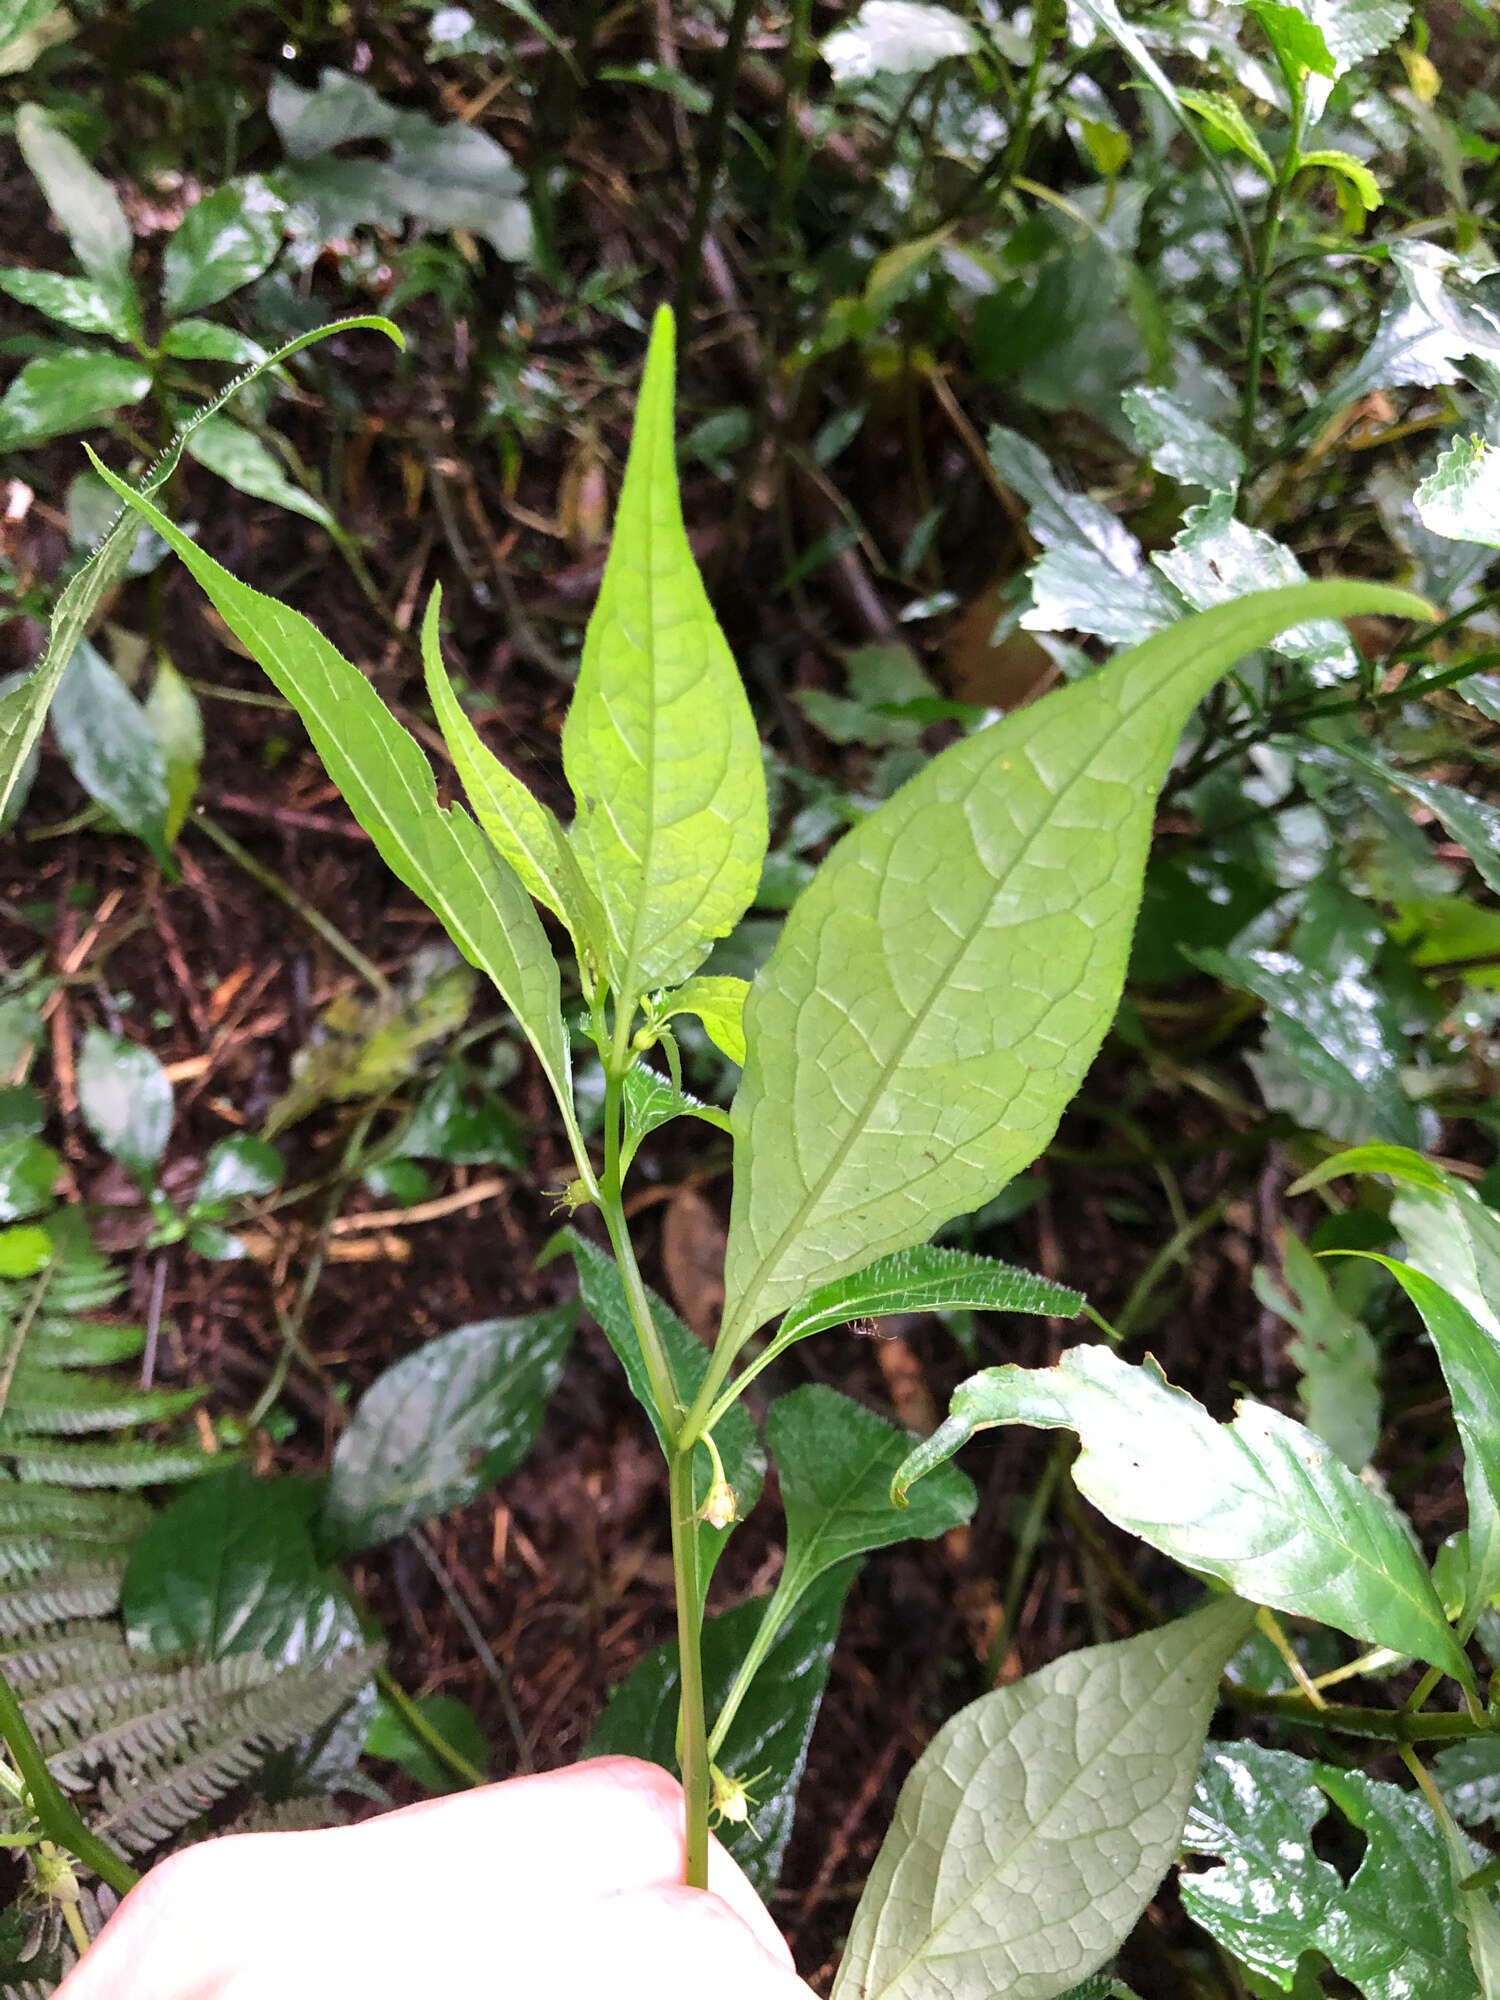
<point x="560" y="1887"/>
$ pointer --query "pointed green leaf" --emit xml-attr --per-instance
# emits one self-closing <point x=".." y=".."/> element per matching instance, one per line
<point x="442" y="1424"/>
<point x="224" y="240"/>
<point x="1333" y="1354"/>
<point x="126" y="1099"/>
<point x="111" y="747"/>
<point x="1355" y="172"/>
<point x="448" y="1126"/>
<point x="719" y="1003"/>
<point x="1400" y="1162"/>
<point x="1180" y="444"/>
<point x="1455" y="1238"/>
<point x="392" y="1736"/>
<point x="239" y="1166"/>
<point x="23" y="709"/>
<point x="744" y="1463"/>
<point x="86" y="206"/>
<point x="1261" y="1503"/>
<point x="68" y="390"/>
<point x="1356" y="29"/>
<point x="177" y="723"/>
<point x="1039" y="1821"/>
<point x="651" y="1102"/>
<point x="522" y="828"/>
<point x="205" y="340"/>
<point x="946" y="979"/>
<point x="1393" y="1931"/>
<point x="1461" y="498"/>
<point x="388" y="784"/>
<point x="1470" y="1360"/>
<point x="1297" y="40"/>
<point x="84" y="304"/>
<point x="29" y="1171"/>
<point x="247" y="463"/>
<point x="659" y="745"/>
<point x="768" y="1741"/>
<point x="1222" y="115"/>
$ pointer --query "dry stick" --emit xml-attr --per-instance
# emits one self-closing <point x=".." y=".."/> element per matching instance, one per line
<point x="422" y="1211"/>
<point x="285" y="893"/>
<point x="482" y="1652"/>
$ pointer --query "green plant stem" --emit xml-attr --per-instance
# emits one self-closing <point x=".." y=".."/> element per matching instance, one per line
<point x="692" y="1737"/>
<point x="1261" y="282"/>
<point x="331" y="935"/>
<point x="711" y="160"/>
<point x="52" y="1809"/>
<point x="779" y="1608"/>
<point x="799" y="59"/>
<point x="1383" y="1725"/>
<point x="425" y="1731"/>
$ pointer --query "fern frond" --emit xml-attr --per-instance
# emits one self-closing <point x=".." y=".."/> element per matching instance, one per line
<point x="86" y="1589"/>
<point x="117" y="1465"/>
<point x="53" y="1403"/>
<point x="77" y="1650"/>
<point x="63" y="1341"/>
<point x="53" y="1510"/>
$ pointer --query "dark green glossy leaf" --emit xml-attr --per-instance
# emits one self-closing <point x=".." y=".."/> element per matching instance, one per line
<point x="447" y="1126"/>
<point x="68" y="390"/>
<point x="224" y="240"/>
<point x="1039" y="1821"/>
<point x="1393" y="1931"/>
<point x="768" y="1741"/>
<point x="113" y="751"/>
<point x="1261" y="1503"/>
<point x="29" y="1170"/>
<point x="84" y="304"/>
<point x="744" y="1464"/>
<point x="230" y="1568"/>
<point x="1468" y="1775"/>
<point x="399" y="1181"/>
<point x="126" y="1098"/>
<point x="392" y="1736"/>
<point x="442" y="1424"/>
<point x="243" y="1164"/>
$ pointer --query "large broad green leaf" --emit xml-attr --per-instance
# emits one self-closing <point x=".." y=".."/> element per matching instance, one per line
<point x="946" y="979"/>
<point x="1461" y="497"/>
<point x="1261" y="1503"/>
<point x="1393" y="1931"/>
<point x="442" y="1424"/>
<point x="659" y="745"/>
<point x="768" y="1743"/>
<point x="744" y="1464"/>
<point x="224" y="240"/>
<point x="23" y="709"/>
<point x="1039" y="1821"/>
<point x="83" y="201"/>
<point x="524" y="830"/>
<point x="438" y="853"/>
<point x="1470" y="1360"/>
<point x="1333" y="1354"/>
<point x="230" y="1568"/>
<point x="68" y="390"/>
<point x="126" y="1097"/>
<point x="111" y="748"/>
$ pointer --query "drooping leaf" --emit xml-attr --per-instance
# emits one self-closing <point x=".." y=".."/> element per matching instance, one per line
<point x="1181" y="444"/>
<point x="767" y="1742"/>
<point x="1455" y="1238"/>
<point x="525" y="831"/>
<point x="1222" y="115"/>
<point x="230" y="1568"/>
<point x="176" y="722"/>
<point x="945" y="980"/>
<point x="1261" y="1503"/>
<point x="248" y="464"/>
<point x="1333" y="1354"/>
<point x="68" y="390"/>
<point x="111" y="747"/>
<point x="388" y="783"/>
<point x="1335" y="161"/>
<point x="1039" y="1821"/>
<point x="659" y="745"/>
<point x="23" y="708"/>
<point x="719" y="1003"/>
<point x="224" y="240"/>
<point x="744" y="1463"/>
<point x="126" y="1099"/>
<point x="1394" y="1930"/>
<point x="1461" y="498"/>
<point x="442" y="1424"/>
<point x="83" y="201"/>
<point x="896" y="38"/>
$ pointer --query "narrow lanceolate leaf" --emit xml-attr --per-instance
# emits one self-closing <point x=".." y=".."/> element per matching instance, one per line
<point x="1470" y="1360"/>
<point x="1393" y="1931"/>
<point x="1039" y="1821"/>
<point x="946" y="978"/>
<point x="521" y="827"/>
<point x="440" y="854"/>
<point x="23" y="710"/>
<point x="1261" y="1503"/>
<point x="660" y="746"/>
